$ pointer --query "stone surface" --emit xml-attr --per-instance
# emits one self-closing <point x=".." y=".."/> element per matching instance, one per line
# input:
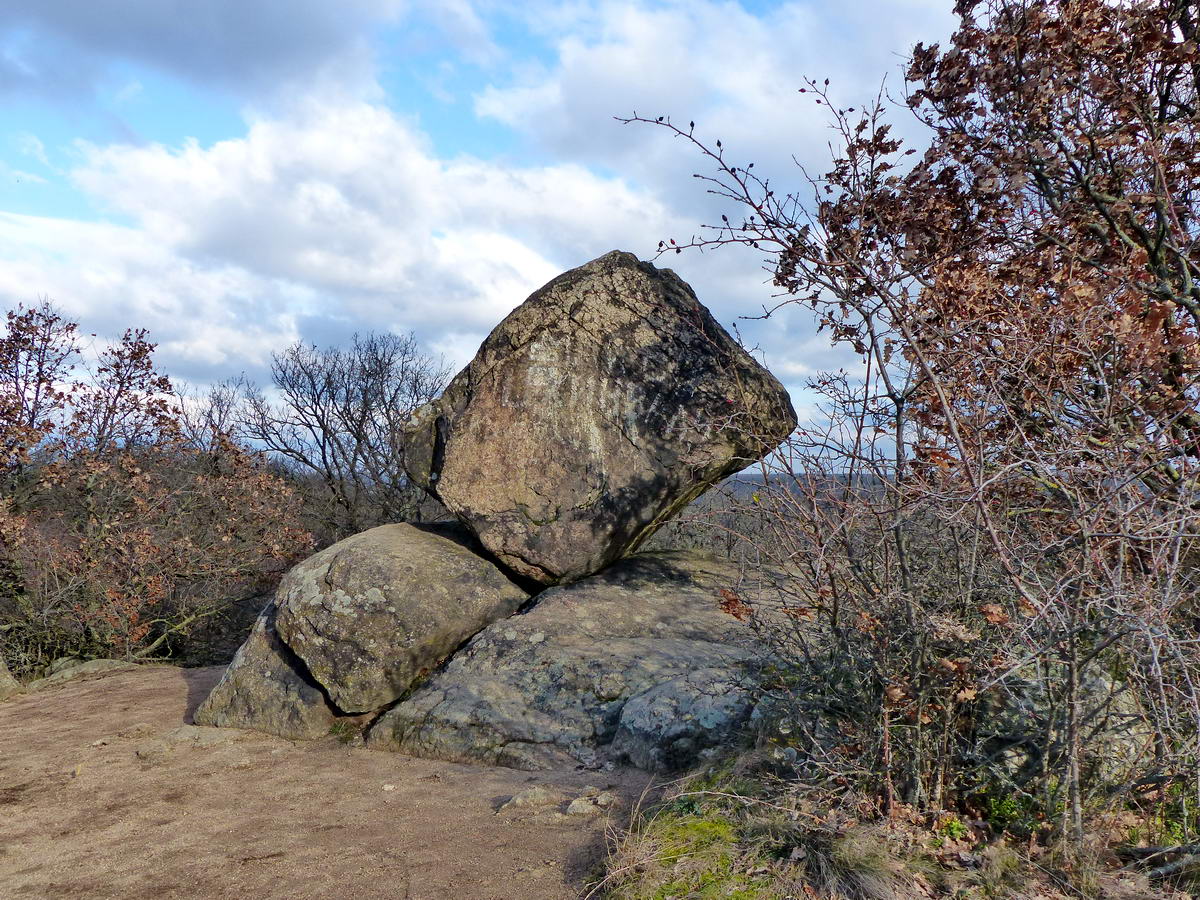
<point x="8" y="685"/>
<point x="1015" y="721"/>
<point x="375" y="613"/>
<point x="672" y="724"/>
<point x="78" y="669"/>
<point x="542" y="805"/>
<point x="537" y="797"/>
<point x="551" y="686"/>
<point x="603" y="404"/>
<point x="266" y="689"/>
<point x="584" y="806"/>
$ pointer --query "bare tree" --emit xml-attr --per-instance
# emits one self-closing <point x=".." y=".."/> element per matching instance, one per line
<point x="206" y="419"/>
<point x="335" y="416"/>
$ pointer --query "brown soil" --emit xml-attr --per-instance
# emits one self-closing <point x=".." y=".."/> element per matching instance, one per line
<point x="104" y="794"/>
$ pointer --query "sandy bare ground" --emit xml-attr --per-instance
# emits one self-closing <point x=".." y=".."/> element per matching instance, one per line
<point x="107" y="791"/>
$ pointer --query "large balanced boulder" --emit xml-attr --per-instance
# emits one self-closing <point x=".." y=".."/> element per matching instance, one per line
<point x="603" y="404"/>
<point x="373" y="614"/>
<point x="641" y="653"/>
<point x="266" y="688"/>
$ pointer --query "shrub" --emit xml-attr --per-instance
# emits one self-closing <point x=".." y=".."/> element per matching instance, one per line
<point x="987" y="542"/>
<point x="119" y="535"/>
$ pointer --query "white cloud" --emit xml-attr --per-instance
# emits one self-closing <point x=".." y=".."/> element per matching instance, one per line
<point x="338" y="219"/>
<point x="736" y="74"/>
<point x="29" y="145"/>
<point x="351" y="202"/>
<point x="111" y="277"/>
<point x="333" y="214"/>
<point x="464" y="28"/>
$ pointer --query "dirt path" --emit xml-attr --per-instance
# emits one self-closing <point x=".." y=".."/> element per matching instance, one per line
<point x="105" y="791"/>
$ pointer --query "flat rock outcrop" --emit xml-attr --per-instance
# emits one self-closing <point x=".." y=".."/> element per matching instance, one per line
<point x="74" y="669"/>
<point x="668" y="727"/>
<point x="373" y="614"/>
<point x="641" y="653"/>
<point x="599" y="407"/>
<point x="267" y="689"/>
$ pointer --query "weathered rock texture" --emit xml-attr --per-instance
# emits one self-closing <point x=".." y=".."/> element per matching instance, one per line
<point x="376" y="612"/>
<point x="599" y="407"/>
<point x="668" y="726"/>
<point x="1014" y="726"/>
<point x="640" y="652"/>
<point x="8" y="684"/>
<point x="266" y="689"/>
<point x="72" y="669"/>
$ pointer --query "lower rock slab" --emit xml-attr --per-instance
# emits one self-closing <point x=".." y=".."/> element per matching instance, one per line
<point x="637" y="664"/>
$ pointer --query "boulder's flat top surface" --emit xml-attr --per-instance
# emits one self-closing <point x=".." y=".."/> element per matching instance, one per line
<point x="107" y="791"/>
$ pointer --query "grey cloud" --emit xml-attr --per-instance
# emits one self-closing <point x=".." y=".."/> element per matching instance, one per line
<point x="62" y="48"/>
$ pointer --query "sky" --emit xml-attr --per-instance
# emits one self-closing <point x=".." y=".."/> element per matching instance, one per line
<point x="238" y="175"/>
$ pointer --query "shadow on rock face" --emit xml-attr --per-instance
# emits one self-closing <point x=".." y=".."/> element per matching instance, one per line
<point x="267" y="688"/>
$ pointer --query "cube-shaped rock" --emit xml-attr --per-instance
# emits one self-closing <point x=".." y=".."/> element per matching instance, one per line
<point x="598" y="408"/>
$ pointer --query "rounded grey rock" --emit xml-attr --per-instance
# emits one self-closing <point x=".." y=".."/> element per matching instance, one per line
<point x="635" y="630"/>
<point x="372" y="615"/>
<point x="266" y="689"/>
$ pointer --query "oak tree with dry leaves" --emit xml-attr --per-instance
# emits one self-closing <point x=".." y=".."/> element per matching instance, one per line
<point x="121" y="530"/>
<point x="990" y="536"/>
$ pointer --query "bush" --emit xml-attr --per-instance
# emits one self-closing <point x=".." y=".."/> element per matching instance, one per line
<point x="987" y="539"/>
<point x="120" y="535"/>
